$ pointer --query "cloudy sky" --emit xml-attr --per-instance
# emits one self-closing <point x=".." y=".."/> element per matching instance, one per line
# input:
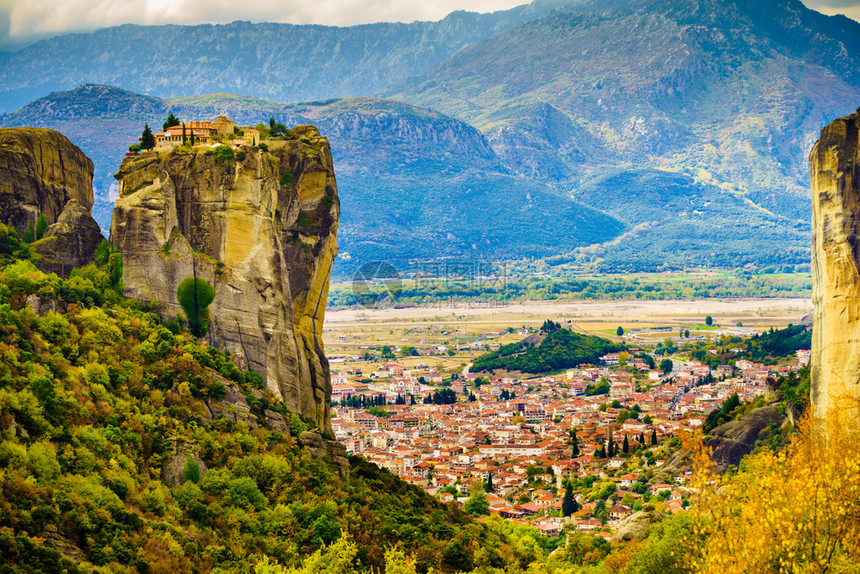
<point x="25" y="21"/>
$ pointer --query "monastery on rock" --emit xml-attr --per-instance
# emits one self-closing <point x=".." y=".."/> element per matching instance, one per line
<point x="205" y="131"/>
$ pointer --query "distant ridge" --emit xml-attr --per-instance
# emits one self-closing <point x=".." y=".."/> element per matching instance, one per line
<point x="284" y="62"/>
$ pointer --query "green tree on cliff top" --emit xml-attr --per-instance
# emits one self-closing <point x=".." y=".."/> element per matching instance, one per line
<point x="170" y="122"/>
<point x="147" y="140"/>
<point x="195" y="294"/>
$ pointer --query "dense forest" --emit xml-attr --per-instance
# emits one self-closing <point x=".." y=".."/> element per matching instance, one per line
<point x="778" y="343"/>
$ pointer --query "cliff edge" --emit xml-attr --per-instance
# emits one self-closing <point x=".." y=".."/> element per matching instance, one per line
<point x="834" y="166"/>
<point x="261" y="227"/>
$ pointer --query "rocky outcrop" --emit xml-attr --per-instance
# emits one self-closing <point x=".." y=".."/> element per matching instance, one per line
<point x="834" y="166"/>
<point x="70" y="242"/>
<point x="331" y="450"/>
<point x="735" y="439"/>
<point x="173" y="471"/>
<point x="40" y="172"/>
<point x="234" y="407"/>
<point x="636" y="526"/>
<point x="732" y="441"/>
<point x="261" y="228"/>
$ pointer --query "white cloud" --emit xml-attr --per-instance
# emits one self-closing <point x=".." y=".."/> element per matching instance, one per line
<point x="37" y="18"/>
<point x="831" y="4"/>
<point x="850" y="8"/>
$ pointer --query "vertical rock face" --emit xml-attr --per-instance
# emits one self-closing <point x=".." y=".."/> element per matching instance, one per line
<point x="835" y="173"/>
<point x="262" y="230"/>
<point x="40" y="172"/>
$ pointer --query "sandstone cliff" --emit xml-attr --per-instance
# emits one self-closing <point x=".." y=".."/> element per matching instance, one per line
<point x="42" y="172"/>
<point x="262" y="229"/>
<point x="834" y="166"/>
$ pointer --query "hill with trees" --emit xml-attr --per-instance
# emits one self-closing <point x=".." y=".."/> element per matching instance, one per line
<point x="560" y="349"/>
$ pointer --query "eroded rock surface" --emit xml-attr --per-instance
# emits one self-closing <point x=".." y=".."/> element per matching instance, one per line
<point x="262" y="230"/>
<point x="330" y="450"/>
<point x="43" y="173"/>
<point x="173" y="471"/>
<point x="636" y="526"/>
<point x="40" y="172"/>
<point x="732" y="441"/>
<point x="70" y="242"/>
<point x="834" y="166"/>
<point x="735" y="439"/>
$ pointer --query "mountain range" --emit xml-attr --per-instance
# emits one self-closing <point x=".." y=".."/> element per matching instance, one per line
<point x="636" y="135"/>
<point x="268" y="60"/>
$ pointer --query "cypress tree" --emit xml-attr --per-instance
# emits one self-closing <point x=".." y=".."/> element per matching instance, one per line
<point x="184" y="137"/>
<point x="654" y="437"/>
<point x="568" y="503"/>
<point x="625" y="448"/>
<point x="114" y="269"/>
<point x="489" y="486"/>
<point x="147" y="140"/>
<point x="41" y="226"/>
<point x="574" y="444"/>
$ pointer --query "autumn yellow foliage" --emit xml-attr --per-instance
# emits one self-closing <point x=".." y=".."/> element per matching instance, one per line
<point x="340" y="558"/>
<point x="795" y="511"/>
